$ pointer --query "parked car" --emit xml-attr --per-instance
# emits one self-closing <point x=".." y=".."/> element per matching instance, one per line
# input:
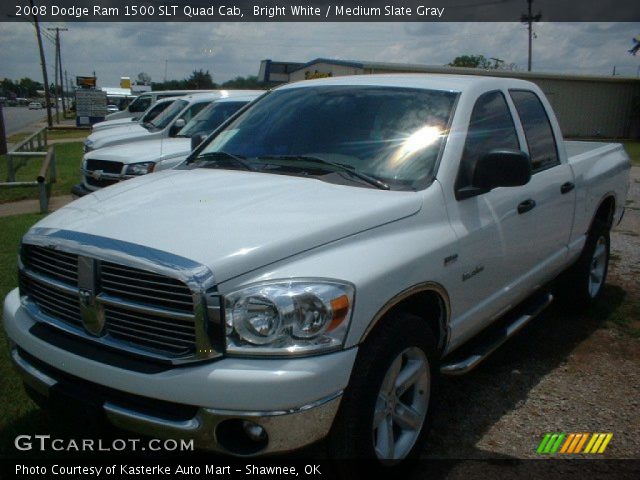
<point x="35" y="106"/>
<point x="316" y="263"/>
<point x="146" y="117"/>
<point x="146" y="100"/>
<point x="109" y="165"/>
<point x="164" y="125"/>
<point x="112" y="108"/>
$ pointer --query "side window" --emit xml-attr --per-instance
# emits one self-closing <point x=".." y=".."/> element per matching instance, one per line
<point x="490" y="127"/>
<point x="537" y="130"/>
<point x="193" y="111"/>
<point x="140" y="104"/>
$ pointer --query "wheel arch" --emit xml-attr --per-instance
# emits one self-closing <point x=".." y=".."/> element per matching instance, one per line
<point x="428" y="300"/>
<point x="606" y="211"/>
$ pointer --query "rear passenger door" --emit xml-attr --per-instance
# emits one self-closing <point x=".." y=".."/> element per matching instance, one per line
<point x="551" y="188"/>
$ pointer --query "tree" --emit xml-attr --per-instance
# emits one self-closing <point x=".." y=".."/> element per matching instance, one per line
<point x="200" y="80"/>
<point x="144" y="78"/>
<point x="244" y="83"/>
<point x="480" y="61"/>
<point x="471" y="61"/>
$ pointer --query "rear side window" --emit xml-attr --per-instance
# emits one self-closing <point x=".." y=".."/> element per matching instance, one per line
<point x="490" y="128"/>
<point x="193" y="110"/>
<point x="537" y="130"/>
<point x="140" y="104"/>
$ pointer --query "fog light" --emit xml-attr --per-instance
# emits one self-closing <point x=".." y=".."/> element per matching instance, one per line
<point x="254" y="431"/>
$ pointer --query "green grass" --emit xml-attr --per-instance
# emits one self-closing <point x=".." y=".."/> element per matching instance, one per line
<point x="633" y="149"/>
<point x="618" y="310"/>
<point x="16" y="407"/>
<point x="18" y="137"/>
<point x="68" y="158"/>
<point x="70" y="133"/>
<point x="52" y="135"/>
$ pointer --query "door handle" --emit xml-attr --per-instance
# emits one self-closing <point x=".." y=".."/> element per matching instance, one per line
<point x="567" y="187"/>
<point x="525" y="206"/>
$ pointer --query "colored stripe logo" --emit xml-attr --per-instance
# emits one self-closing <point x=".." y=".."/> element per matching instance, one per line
<point x="572" y="443"/>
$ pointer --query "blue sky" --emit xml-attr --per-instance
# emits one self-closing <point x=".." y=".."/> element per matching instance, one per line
<point x="230" y="49"/>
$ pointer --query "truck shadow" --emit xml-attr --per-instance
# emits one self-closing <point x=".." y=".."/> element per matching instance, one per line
<point x="469" y="405"/>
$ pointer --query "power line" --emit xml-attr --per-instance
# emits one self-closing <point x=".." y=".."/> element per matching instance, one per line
<point x="58" y="70"/>
<point x="528" y="19"/>
<point x="44" y="66"/>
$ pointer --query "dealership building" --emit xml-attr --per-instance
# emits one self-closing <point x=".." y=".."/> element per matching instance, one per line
<point x="587" y="106"/>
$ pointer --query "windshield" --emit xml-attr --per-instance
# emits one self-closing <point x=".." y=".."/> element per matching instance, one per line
<point x="165" y="117"/>
<point x="153" y="112"/>
<point x="390" y="134"/>
<point x="210" y="118"/>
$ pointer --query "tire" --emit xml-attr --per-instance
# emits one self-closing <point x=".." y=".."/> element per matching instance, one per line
<point x="584" y="281"/>
<point x="401" y="345"/>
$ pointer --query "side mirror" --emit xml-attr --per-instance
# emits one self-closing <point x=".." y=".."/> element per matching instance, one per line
<point x="177" y="126"/>
<point x="498" y="168"/>
<point x="196" y="140"/>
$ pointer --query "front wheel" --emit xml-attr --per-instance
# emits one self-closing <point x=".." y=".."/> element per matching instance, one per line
<point x="385" y="411"/>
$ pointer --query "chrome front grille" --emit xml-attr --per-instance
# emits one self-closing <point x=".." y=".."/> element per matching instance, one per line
<point x="106" y="166"/>
<point x="141" y="311"/>
<point x="152" y="331"/>
<point x="145" y="287"/>
<point x="60" y="265"/>
<point x="52" y="301"/>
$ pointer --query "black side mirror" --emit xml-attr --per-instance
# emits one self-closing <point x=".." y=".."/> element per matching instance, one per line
<point x="197" y="139"/>
<point x="176" y="127"/>
<point x="498" y="168"/>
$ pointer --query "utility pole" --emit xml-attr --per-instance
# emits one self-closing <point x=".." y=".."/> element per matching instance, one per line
<point x="529" y="18"/>
<point x="3" y="134"/>
<point x="47" y="98"/>
<point x="66" y="82"/>
<point x="58" y="70"/>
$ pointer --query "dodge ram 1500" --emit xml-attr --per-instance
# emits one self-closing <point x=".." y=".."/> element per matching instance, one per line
<point x="316" y="264"/>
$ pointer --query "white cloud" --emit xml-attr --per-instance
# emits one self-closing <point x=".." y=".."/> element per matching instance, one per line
<point x="230" y="49"/>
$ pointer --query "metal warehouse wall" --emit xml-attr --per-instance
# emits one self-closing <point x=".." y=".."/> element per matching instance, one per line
<point x="594" y="108"/>
<point x="586" y="106"/>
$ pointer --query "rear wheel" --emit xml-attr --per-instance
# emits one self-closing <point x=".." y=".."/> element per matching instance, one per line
<point x="584" y="282"/>
<point x="386" y="409"/>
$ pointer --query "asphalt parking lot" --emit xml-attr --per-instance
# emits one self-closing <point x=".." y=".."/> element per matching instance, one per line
<point x="18" y="118"/>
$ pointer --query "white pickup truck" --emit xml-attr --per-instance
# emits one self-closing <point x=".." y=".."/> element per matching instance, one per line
<point x="316" y="264"/>
<point x="110" y="165"/>
<point x="164" y="125"/>
<point x="148" y="115"/>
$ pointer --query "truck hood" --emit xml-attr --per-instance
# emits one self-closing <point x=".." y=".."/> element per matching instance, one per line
<point x="231" y="221"/>
<point x="117" y="134"/>
<point x="120" y="122"/>
<point x="143" y="151"/>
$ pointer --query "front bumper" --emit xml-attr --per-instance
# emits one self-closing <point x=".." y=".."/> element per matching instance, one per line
<point x="293" y="400"/>
<point x="80" y="190"/>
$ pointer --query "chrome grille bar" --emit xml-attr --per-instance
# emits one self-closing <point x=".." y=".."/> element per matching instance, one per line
<point x="146" y="312"/>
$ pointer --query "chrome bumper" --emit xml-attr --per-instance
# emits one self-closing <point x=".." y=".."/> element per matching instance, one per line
<point x="286" y="430"/>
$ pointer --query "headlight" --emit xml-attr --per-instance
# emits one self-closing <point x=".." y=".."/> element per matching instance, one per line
<point x="288" y="317"/>
<point x="139" y="168"/>
<point x="88" y="146"/>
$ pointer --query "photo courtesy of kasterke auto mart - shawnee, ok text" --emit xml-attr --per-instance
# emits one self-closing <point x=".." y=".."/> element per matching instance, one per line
<point x="320" y="239"/>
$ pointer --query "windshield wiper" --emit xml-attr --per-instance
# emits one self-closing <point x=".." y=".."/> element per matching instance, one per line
<point x="213" y="156"/>
<point x="339" y="166"/>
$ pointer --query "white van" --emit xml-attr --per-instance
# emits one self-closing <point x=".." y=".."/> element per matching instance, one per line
<point x="146" y="100"/>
